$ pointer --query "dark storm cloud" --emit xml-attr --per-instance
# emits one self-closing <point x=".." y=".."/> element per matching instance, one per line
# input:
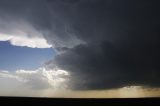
<point x="121" y="43"/>
<point x="105" y="43"/>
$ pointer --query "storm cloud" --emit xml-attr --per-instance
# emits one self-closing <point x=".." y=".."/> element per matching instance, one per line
<point x="103" y="44"/>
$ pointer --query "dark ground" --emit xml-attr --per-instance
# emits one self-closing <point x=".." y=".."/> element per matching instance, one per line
<point x="78" y="101"/>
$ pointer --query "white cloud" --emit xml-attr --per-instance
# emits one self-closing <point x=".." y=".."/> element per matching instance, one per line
<point x="34" y="42"/>
<point x="6" y="74"/>
<point x="36" y="79"/>
<point x="21" y="33"/>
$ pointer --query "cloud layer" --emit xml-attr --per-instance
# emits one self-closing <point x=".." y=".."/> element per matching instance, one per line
<point x="103" y="44"/>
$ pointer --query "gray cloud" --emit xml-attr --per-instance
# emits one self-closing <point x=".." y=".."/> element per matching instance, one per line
<point x="105" y="43"/>
<point x="121" y="43"/>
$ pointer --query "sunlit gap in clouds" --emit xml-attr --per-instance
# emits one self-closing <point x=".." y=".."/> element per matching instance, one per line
<point x="131" y="91"/>
<point x="57" y="78"/>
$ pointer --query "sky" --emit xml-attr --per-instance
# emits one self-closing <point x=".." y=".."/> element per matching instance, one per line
<point x="70" y="48"/>
<point x="15" y="57"/>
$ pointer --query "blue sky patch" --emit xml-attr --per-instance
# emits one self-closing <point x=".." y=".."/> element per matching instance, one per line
<point x="16" y="57"/>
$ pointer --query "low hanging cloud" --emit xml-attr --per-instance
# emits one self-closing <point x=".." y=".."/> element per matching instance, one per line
<point x="103" y="44"/>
